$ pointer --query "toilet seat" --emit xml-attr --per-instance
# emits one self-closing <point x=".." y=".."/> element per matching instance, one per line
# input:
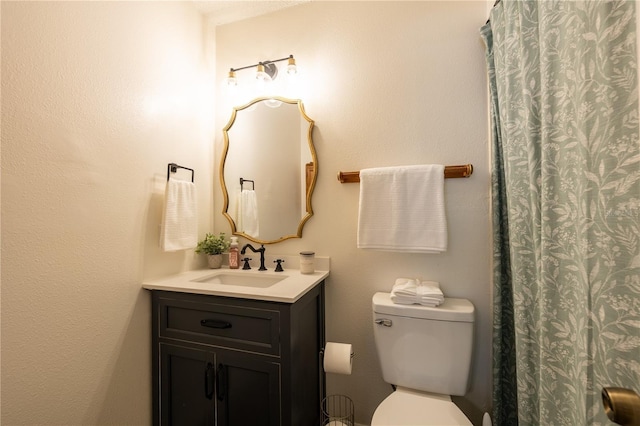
<point x="412" y="408"/>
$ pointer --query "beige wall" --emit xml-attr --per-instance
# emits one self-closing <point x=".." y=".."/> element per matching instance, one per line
<point x="97" y="98"/>
<point x="387" y="83"/>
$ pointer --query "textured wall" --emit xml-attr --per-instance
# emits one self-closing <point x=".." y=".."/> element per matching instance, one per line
<point x="97" y="98"/>
<point x="387" y="83"/>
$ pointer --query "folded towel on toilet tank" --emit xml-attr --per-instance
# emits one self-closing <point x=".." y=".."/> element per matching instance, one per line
<point x="409" y="291"/>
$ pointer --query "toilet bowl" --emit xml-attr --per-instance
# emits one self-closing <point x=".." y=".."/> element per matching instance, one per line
<point x="406" y="407"/>
<point x="426" y="353"/>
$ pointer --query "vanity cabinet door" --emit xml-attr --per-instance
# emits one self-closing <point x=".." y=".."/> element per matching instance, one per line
<point x="187" y="386"/>
<point x="247" y="390"/>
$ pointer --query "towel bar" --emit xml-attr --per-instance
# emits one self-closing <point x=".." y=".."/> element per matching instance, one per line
<point x="242" y="181"/>
<point x="450" y="172"/>
<point x="173" y="168"/>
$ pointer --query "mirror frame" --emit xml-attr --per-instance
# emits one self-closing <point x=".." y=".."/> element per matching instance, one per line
<point x="314" y="177"/>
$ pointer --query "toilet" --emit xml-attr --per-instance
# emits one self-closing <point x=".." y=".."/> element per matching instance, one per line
<point x="425" y="353"/>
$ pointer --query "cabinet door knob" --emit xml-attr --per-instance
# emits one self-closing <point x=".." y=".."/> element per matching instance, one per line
<point x="621" y="405"/>
<point x="211" y="323"/>
<point x="208" y="381"/>
<point x="221" y="381"/>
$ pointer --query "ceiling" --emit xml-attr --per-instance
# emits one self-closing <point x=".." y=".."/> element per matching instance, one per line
<point x="224" y="12"/>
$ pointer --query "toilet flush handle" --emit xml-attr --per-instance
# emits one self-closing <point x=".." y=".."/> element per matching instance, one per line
<point x="383" y="321"/>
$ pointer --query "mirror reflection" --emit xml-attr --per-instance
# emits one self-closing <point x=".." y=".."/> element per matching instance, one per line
<point x="268" y="169"/>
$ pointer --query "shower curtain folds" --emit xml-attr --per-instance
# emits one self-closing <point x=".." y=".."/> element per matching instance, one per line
<point x="566" y="205"/>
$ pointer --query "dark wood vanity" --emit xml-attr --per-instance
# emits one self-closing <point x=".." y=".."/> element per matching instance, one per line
<point x="237" y="362"/>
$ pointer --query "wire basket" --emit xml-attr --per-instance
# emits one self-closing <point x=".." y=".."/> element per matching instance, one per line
<point x="337" y="410"/>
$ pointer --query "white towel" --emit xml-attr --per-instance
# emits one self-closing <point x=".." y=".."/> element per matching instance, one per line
<point x="179" y="229"/>
<point x="408" y="291"/>
<point x="248" y="213"/>
<point x="402" y="209"/>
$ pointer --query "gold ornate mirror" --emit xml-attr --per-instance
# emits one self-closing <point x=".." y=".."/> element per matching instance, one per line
<point x="268" y="169"/>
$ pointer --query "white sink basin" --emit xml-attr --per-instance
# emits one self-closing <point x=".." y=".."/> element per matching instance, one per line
<point x="255" y="280"/>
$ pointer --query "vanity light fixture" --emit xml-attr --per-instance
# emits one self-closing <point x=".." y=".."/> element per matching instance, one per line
<point x="265" y="70"/>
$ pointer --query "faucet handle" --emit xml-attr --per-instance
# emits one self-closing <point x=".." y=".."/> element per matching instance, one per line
<point x="279" y="265"/>
<point x="246" y="263"/>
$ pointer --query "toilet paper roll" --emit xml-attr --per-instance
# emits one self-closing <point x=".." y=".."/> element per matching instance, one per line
<point x="337" y="358"/>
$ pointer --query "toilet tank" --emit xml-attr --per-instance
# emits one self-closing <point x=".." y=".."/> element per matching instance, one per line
<point x="424" y="348"/>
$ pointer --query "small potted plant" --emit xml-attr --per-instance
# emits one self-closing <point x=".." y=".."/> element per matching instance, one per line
<point x="213" y="246"/>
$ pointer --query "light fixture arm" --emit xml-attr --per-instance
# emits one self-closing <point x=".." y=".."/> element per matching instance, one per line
<point x="262" y="63"/>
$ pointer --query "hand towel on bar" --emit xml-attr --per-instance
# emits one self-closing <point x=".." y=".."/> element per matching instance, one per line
<point x="402" y="209"/>
<point x="179" y="229"/>
<point x="408" y="291"/>
<point x="248" y="214"/>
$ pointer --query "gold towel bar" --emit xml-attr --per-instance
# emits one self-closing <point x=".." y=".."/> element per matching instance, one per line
<point x="449" y="172"/>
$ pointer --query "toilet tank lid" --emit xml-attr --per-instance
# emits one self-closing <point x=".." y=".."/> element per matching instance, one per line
<point x="458" y="310"/>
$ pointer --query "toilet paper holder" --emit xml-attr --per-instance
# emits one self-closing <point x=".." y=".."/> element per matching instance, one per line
<point x="322" y="354"/>
<point x="336" y="358"/>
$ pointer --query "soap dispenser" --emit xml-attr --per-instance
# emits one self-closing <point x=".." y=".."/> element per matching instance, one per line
<point x="234" y="255"/>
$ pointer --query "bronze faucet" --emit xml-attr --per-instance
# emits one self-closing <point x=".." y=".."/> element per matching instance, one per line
<point x="261" y="250"/>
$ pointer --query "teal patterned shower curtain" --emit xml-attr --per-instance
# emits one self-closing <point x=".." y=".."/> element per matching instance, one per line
<point x="566" y="205"/>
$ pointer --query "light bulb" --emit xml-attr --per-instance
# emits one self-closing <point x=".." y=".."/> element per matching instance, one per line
<point x="261" y="75"/>
<point x="231" y="78"/>
<point x="291" y="66"/>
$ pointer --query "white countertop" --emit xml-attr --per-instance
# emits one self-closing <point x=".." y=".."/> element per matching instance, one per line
<point x="291" y="287"/>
